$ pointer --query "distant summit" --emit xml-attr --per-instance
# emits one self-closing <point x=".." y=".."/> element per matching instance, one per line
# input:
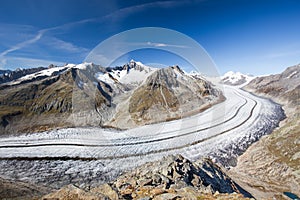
<point x="236" y="78"/>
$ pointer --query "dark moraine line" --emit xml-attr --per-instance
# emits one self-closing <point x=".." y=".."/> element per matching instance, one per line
<point x="132" y="143"/>
<point x="138" y="154"/>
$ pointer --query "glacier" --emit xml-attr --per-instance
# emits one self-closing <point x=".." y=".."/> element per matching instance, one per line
<point x="89" y="156"/>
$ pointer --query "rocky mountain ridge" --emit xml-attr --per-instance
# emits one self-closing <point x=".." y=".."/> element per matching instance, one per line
<point x="91" y="95"/>
<point x="283" y="87"/>
<point x="9" y="75"/>
<point x="270" y="167"/>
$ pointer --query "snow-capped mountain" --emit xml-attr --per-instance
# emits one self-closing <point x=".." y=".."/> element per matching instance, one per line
<point x="236" y="78"/>
<point x="131" y="73"/>
<point x="90" y="95"/>
<point x="8" y="75"/>
<point x="27" y="75"/>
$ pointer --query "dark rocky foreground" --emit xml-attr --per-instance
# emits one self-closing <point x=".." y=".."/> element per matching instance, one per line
<point x="173" y="177"/>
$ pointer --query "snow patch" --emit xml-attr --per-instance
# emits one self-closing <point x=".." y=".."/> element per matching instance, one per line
<point x="136" y="73"/>
<point x="292" y="74"/>
<point x="46" y="72"/>
<point x="104" y="77"/>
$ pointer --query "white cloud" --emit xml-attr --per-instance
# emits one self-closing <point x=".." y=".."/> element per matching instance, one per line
<point x="153" y="44"/>
<point x="24" y="43"/>
<point x="66" y="46"/>
<point x="9" y="61"/>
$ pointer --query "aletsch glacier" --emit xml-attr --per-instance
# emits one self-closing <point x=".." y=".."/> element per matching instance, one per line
<point x="89" y="156"/>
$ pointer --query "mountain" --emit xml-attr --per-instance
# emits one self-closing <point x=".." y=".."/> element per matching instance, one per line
<point x="271" y="166"/>
<point x="91" y="95"/>
<point x="8" y="75"/>
<point x="165" y="94"/>
<point x="235" y="78"/>
<point x="283" y="87"/>
<point x="173" y="177"/>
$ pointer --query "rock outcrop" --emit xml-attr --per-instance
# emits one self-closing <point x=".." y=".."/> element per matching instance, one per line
<point x="173" y="177"/>
<point x="20" y="190"/>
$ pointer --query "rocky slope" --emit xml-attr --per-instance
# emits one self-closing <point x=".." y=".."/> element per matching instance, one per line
<point x="90" y="95"/>
<point x="20" y="190"/>
<point x="166" y="94"/>
<point x="173" y="177"/>
<point x="45" y="101"/>
<point x="272" y="165"/>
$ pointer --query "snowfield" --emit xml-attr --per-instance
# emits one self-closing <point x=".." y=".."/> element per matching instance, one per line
<point x="89" y="156"/>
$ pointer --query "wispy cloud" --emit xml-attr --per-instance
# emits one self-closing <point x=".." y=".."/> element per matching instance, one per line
<point x="114" y="15"/>
<point x="118" y="14"/>
<point x="24" y="43"/>
<point x="51" y="41"/>
<point x="65" y="46"/>
<point x="153" y="44"/>
<point x="137" y="8"/>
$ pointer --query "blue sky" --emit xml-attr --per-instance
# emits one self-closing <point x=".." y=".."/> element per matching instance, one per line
<point x="255" y="37"/>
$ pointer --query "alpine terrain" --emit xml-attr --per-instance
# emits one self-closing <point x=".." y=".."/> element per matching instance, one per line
<point x="72" y="130"/>
<point x="271" y="167"/>
<point x="90" y="95"/>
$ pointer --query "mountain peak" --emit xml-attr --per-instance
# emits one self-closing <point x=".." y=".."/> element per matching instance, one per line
<point x="136" y="65"/>
<point x="235" y="78"/>
<point x="178" y="69"/>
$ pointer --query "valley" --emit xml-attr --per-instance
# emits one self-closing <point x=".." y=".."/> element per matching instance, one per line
<point x="149" y="100"/>
<point x="89" y="156"/>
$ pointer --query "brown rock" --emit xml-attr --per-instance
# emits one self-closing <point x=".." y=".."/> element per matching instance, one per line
<point x="144" y="182"/>
<point x="71" y="192"/>
<point x="157" y="191"/>
<point x="126" y="190"/>
<point x="106" y="190"/>
<point x="166" y="196"/>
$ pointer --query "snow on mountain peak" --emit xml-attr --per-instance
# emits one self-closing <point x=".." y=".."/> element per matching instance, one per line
<point x="133" y="72"/>
<point x="136" y="64"/>
<point x="235" y="78"/>
<point x="79" y="66"/>
<point x="136" y="73"/>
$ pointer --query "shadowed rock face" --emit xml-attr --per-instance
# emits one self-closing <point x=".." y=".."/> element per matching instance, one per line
<point x="76" y="96"/>
<point x="173" y="177"/>
<point x="48" y="103"/>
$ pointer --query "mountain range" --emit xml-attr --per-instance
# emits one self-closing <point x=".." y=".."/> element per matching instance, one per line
<point x="134" y="94"/>
<point x="90" y="95"/>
